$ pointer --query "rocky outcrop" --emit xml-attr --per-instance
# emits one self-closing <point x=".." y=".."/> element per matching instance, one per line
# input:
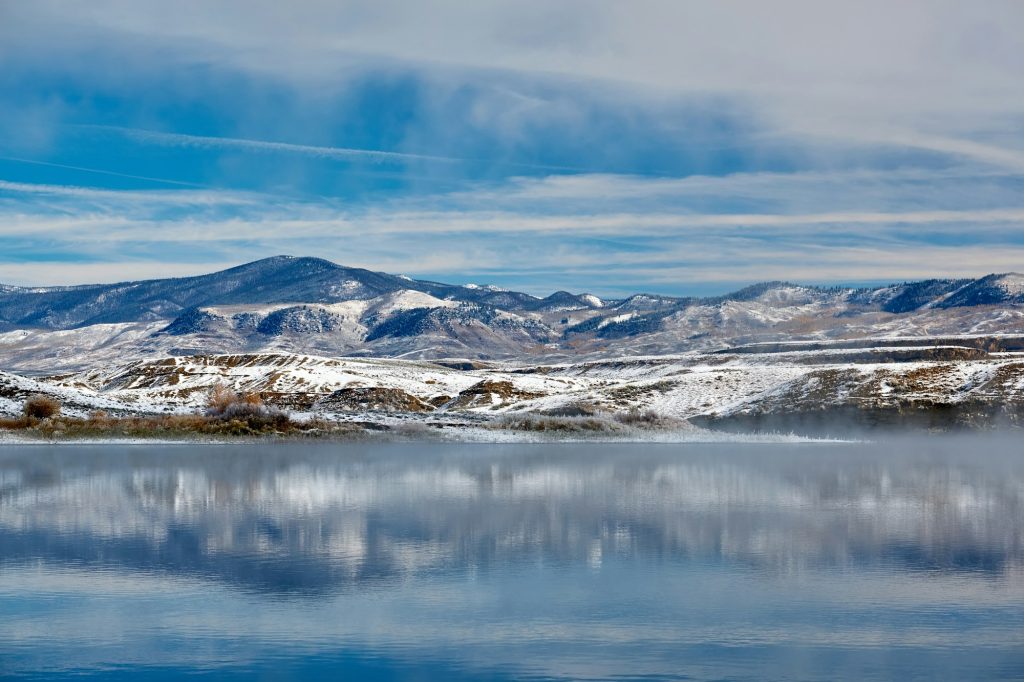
<point x="372" y="399"/>
<point x="489" y="393"/>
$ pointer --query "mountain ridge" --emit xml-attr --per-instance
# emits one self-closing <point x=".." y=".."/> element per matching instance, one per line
<point x="294" y="279"/>
<point x="312" y="305"/>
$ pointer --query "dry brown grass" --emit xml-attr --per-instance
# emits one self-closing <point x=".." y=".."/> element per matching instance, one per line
<point x="14" y="423"/>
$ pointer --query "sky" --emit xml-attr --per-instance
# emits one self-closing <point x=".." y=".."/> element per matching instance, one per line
<point x="669" y="146"/>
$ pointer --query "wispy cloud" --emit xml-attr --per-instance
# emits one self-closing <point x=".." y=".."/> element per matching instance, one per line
<point x="123" y="198"/>
<point x="539" y="246"/>
<point x="590" y="144"/>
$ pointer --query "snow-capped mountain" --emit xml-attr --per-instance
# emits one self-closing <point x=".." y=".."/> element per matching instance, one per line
<point x="310" y="305"/>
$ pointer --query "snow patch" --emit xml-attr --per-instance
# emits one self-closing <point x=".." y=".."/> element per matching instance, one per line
<point x="615" y="319"/>
<point x="1012" y="283"/>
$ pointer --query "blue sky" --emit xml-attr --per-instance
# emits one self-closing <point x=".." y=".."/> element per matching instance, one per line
<point x="678" y="147"/>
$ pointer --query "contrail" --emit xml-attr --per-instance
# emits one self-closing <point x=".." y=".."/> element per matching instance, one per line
<point x="340" y="153"/>
<point x="104" y="172"/>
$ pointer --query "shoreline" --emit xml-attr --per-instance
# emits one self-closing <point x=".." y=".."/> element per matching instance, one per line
<point x="471" y="435"/>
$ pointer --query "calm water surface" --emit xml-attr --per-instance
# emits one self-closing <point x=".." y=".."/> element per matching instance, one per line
<point x="902" y="559"/>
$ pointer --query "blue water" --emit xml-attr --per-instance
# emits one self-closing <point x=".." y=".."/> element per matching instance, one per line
<point x="895" y="560"/>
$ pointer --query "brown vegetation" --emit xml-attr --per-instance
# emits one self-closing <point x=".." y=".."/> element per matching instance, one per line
<point x="582" y="418"/>
<point x="176" y="426"/>
<point x="11" y="423"/>
<point x="227" y="414"/>
<point x="648" y="419"/>
<point x="41" y="407"/>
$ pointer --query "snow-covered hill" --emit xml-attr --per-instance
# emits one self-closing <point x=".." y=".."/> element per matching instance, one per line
<point x="959" y="381"/>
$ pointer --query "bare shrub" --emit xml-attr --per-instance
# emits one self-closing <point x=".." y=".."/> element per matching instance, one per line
<point x="243" y="410"/>
<point x="257" y="416"/>
<point x="413" y="431"/>
<point x="576" y="409"/>
<point x="648" y="419"/>
<point x="219" y="399"/>
<point x="41" y="407"/>
<point x="320" y="426"/>
<point x="244" y="413"/>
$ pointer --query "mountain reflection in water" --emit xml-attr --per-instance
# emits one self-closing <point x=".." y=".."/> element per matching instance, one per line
<point x="798" y="561"/>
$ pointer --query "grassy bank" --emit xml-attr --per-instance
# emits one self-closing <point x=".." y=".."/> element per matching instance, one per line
<point x="176" y="426"/>
<point x="226" y="415"/>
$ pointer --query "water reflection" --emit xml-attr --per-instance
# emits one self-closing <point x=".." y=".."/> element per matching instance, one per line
<point x="560" y="561"/>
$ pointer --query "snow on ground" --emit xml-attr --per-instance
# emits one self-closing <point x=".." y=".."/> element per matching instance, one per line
<point x="408" y="299"/>
<point x="75" y="401"/>
<point x="9" y="408"/>
<point x="405" y="299"/>
<point x="1012" y="283"/>
<point x="723" y="389"/>
<point x="625" y="317"/>
<point x="684" y="386"/>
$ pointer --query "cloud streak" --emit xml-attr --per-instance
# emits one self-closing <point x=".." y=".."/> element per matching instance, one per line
<point x="533" y="246"/>
<point x="207" y="142"/>
<point x="315" y="151"/>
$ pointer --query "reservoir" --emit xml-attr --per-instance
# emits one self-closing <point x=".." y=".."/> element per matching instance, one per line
<point x="895" y="559"/>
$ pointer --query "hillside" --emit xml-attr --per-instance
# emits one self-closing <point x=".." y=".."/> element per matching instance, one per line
<point x="966" y="382"/>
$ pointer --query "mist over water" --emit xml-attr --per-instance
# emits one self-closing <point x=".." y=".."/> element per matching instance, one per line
<point x="897" y="559"/>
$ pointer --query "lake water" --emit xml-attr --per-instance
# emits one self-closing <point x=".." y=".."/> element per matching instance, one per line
<point x="895" y="560"/>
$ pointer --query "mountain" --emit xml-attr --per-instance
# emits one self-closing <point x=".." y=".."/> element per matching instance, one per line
<point x="281" y="279"/>
<point x="314" y="306"/>
<point x="993" y="289"/>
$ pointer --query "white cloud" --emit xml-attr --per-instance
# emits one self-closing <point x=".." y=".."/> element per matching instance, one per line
<point x="122" y="198"/>
<point x="485" y="224"/>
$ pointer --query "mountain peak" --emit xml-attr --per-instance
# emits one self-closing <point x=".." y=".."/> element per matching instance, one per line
<point x="289" y="261"/>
